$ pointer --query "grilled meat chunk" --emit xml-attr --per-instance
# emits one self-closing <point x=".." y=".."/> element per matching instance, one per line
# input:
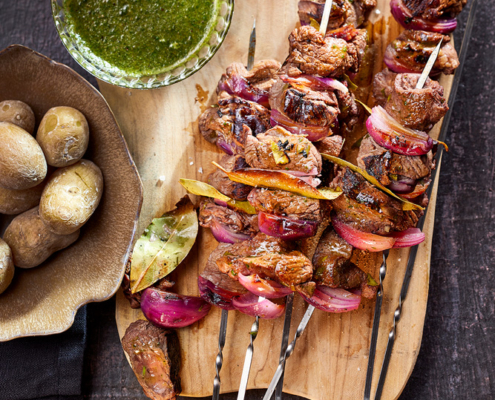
<point x="381" y="163"/>
<point x="236" y="221"/>
<point x="286" y="204"/>
<point x="218" y="278"/>
<point x="343" y="13"/>
<point x="329" y="56"/>
<point x="272" y="258"/>
<point x="296" y="152"/>
<point x="434" y="9"/>
<point x="154" y="354"/>
<point x="349" y="110"/>
<point x="235" y="119"/>
<point x="412" y="49"/>
<point x="331" y="145"/>
<point x="414" y="108"/>
<point x="220" y="181"/>
<point x="367" y="208"/>
<point x="333" y="268"/>
<point x="259" y="79"/>
<point x="363" y="9"/>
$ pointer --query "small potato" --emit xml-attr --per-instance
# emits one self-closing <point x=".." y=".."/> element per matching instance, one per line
<point x="70" y="197"/>
<point x="6" y="266"/>
<point x="14" y="202"/>
<point x="17" y="113"/>
<point x="22" y="163"/>
<point x="31" y="241"/>
<point x="63" y="135"/>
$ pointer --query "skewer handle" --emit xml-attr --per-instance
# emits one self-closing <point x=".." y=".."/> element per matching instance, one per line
<point x="288" y="353"/>
<point x="219" y="359"/>
<point x="326" y="15"/>
<point x="285" y="341"/>
<point x="376" y="326"/>
<point x="248" y="360"/>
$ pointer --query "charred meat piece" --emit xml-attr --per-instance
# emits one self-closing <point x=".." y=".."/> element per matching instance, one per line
<point x="258" y="81"/>
<point x="271" y="258"/>
<point x="220" y="181"/>
<point x="414" y="108"/>
<point x="277" y="149"/>
<point x="349" y="110"/>
<point x="235" y="119"/>
<point x="434" y="9"/>
<point x="328" y="56"/>
<point x="218" y="278"/>
<point x="381" y="163"/>
<point x="367" y="208"/>
<point x="343" y="13"/>
<point x="331" y="145"/>
<point x="286" y="204"/>
<point x="236" y="221"/>
<point x="412" y="49"/>
<point x="333" y="268"/>
<point x="154" y="354"/>
<point x="363" y="9"/>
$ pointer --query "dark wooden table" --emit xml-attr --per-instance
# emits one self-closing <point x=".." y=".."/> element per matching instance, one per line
<point x="457" y="355"/>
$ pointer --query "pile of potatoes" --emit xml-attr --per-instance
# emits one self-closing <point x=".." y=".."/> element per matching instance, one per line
<point x="46" y="181"/>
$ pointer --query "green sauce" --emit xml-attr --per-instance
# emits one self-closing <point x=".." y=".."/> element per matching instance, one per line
<point x="141" y="37"/>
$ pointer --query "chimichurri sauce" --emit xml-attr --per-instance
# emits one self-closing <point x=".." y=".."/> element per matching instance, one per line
<point x="142" y="37"/>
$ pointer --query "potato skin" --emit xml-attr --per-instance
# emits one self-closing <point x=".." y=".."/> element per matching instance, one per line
<point x="17" y="113"/>
<point x="70" y="197"/>
<point x="32" y="242"/>
<point x="13" y="202"/>
<point x="6" y="266"/>
<point x="63" y="135"/>
<point x="22" y="163"/>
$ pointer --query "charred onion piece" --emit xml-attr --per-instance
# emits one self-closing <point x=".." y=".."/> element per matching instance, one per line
<point x="215" y="295"/>
<point x="286" y="228"/>
<point x="408" y="238"/>
<point x="170" y="310"/>
<point x="333" y="300"/>
<point x="312" y="133"/>
<point x="238" y="86"/>
<point x="249" y="304"/>
<point x="362" y="240"/>
<point x="263" y="287"/>
<point x="404" y="17"/>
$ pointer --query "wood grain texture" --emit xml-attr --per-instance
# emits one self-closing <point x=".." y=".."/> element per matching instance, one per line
<point x="330" y="360"/>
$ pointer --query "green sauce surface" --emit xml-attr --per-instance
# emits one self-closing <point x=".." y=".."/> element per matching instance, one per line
<point x="141" y="37"/>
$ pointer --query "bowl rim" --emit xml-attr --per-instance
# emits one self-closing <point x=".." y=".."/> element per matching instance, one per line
<point x="70" y="320"/>
<point x="143" y="86"/>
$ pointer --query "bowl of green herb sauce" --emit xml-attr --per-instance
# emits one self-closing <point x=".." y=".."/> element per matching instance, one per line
<point x="142" y="44"/>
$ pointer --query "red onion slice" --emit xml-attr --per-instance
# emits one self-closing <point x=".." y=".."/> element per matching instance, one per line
<point x="263" y="287"/>
<point x="388" y="133"/>
<point x="225" y="147"/>
<point x="315" y="82"/>
<point x="286" y="228"/>
<point x="312" y="133"/>
<point x="239" y="86"/>
<point x="408" y="238"/>
<point x="333" y="300"/>
<point x="404" y="17"/>
<point x="400" y="187"/>
<point x="215" y="295"/>
<point x="362" y="240"/>
<point x="226" y="235"/>
<point x="248" y="304"/>
<point x="170" y="310"/>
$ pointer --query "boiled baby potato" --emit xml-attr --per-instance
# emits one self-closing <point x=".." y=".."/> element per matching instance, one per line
<point x="6" y="266"/>
<point x="63" y="135"/>
<point x="17" y="113"/>
<point x="22" y="163"/>
<point x="32" y="242"/>
<point x="70" y="197"/>
<point x="14" y="202"/>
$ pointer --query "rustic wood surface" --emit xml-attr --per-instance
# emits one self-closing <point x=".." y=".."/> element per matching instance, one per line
<point x="330" y="360"/>
<point x="456" y="358"/>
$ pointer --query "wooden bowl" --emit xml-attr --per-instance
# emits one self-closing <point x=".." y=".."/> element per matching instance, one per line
<point x="44" y="300"/>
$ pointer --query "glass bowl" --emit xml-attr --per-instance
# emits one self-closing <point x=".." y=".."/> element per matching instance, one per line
<point x="105" y="72"/>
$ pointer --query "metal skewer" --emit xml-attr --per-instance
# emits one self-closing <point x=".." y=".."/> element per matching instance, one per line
<point x="225" y="314"/>
<point x="383" y="269"/>
<point x="285" y="342"/>
<point x="414" y="250"/>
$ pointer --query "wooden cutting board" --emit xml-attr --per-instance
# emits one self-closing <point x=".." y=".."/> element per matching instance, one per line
<point x="161" y="129"/>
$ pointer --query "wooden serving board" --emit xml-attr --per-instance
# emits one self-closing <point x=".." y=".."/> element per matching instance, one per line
<point x="161" y="128"/>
